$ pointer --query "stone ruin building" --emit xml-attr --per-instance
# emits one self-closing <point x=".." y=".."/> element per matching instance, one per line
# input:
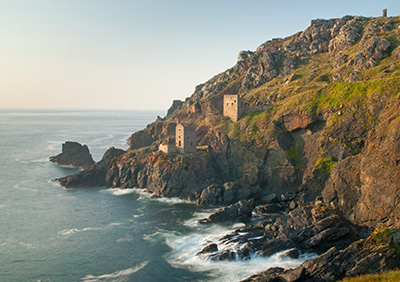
<point x="185" y="140"/>
<point x="233" y="106"/>
<point x="185" y="134"/>
<point x="167" y="148"/>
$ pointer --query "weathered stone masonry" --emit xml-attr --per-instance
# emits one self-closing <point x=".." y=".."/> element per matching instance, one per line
<point x="233" y="106"/>
<point x="185" y="138"/>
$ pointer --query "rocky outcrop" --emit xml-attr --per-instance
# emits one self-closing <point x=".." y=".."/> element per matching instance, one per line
<point x="229" y="192"/>
<point x="94" y="176"/>
<point x="366" y="187"/>
<point x="375" y="254"/>
<point x="306" y="228"/>
<point x="74" y="154"/>
<point x="238" y="212"/>
<point x="370" y="52"/>
<point x="176" y="106"/>
<point x="176" y="175"/>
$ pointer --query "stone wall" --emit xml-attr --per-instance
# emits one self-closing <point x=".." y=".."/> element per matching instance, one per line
<point x="167" y="148"/>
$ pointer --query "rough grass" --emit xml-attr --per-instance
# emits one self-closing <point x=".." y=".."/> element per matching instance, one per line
<point x="324" y="165"/>
<point x="391" y="276"/>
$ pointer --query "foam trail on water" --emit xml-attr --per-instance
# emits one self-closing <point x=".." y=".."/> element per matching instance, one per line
<point x="67" y="232"/>
<point x="115" y="275"/>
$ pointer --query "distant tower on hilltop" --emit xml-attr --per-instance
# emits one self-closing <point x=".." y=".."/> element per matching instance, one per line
<point x="185" y="138"/>
<point x="233" y="107"/>
<point x="384" y="13"/>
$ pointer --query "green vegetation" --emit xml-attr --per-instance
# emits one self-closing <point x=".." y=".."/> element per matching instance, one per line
<point x="391" y="276"/>
<point x="250" y="127"/>
<point x="202" y="148"/>
<point x="383" y="237"/>
<point x="324" y="165"/>
<point x="293" y="155"/>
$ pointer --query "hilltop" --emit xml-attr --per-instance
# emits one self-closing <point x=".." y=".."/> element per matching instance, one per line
<point x="321" y="124"/>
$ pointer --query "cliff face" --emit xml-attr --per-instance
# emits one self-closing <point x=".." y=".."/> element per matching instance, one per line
<point x="322" y="117"/>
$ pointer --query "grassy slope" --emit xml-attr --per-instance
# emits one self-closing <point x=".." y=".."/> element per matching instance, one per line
<point x="315" y="91"/>
<point x="391" y="276"/>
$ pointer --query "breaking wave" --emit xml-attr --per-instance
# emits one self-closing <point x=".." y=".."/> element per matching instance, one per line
<point x="146" y="196"/>
<point x="121" y="192"/>
<point x="185" y="247"/>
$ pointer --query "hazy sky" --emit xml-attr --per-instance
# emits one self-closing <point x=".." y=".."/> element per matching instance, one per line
<point x="120" y="54"/>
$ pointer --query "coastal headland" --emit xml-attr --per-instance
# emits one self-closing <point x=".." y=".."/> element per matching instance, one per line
<point x="309" y="159"/>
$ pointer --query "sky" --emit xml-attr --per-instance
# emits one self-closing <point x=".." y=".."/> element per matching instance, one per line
<point x="140" y="55"/>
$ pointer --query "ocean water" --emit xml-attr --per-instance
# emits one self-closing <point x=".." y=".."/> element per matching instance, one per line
<point x="48" y="233"/>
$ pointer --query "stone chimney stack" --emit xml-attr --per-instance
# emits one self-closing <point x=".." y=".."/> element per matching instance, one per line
<point x="384" y="13"/>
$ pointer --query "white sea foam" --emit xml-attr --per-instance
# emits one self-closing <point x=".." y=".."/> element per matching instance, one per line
<point x="156" y="236"/>
<point x="19" y="187"/>
<point x="171" y="201"/>
<point x="185" y="247"/>
<point x="127" y="238"/>
<point x="115" y="223"/>
<point x="29" y="245"/>
<point x="121" y="192"/>
<point x="33" y="161"/>
<point x="40" y="160"/>
<point x="117" y="275"/>
<point x="146" y="196"/>
<point x="68" y="232"/>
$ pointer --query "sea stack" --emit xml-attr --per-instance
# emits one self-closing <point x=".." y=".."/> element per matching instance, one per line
<point x="74" y="154"/>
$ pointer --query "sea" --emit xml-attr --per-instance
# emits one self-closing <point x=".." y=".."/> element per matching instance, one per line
<point x="48" y="233"/>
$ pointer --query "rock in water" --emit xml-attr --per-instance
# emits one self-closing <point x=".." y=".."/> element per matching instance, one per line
<point x="74" y="154"/>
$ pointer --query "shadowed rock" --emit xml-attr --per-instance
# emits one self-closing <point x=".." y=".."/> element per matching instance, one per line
<point x="74" y="154"/>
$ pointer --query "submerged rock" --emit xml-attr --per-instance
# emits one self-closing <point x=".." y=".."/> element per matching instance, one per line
<point x="74" y="154"/>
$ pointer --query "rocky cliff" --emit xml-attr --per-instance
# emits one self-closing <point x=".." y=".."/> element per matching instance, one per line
<point x="321" y="121"/>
